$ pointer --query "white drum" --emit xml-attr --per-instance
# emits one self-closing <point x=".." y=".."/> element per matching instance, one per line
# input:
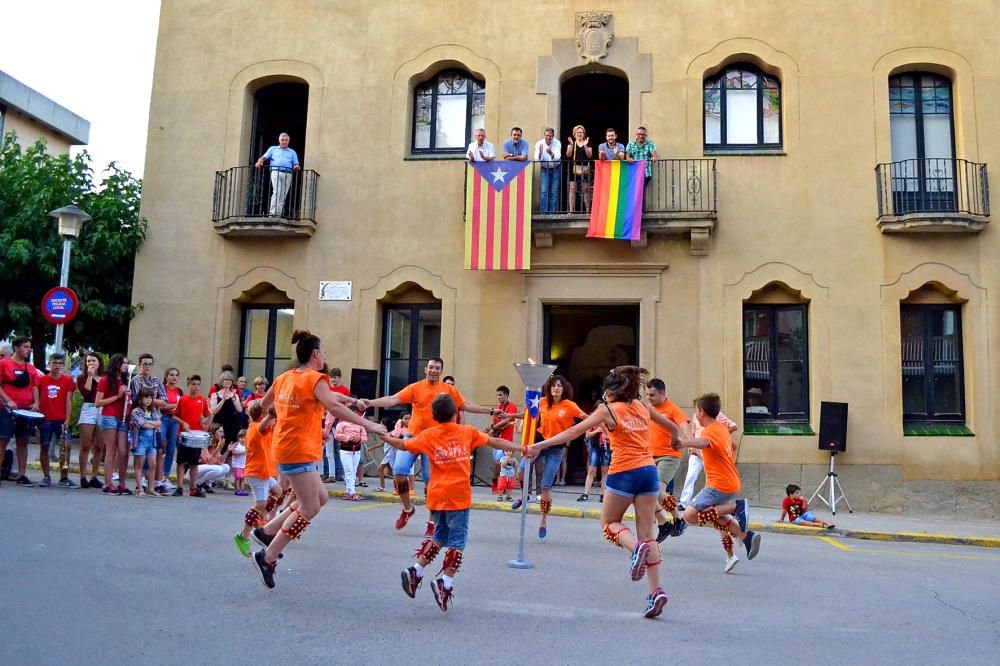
<point x="28" y="415"/>
<point x="195" y="439"/>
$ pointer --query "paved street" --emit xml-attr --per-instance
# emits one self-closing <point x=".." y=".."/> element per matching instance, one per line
<point x="88" y="578"/>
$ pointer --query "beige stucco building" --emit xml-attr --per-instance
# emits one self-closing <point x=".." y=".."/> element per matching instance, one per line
<point x="817" y="225"/>
<point x="32" y="116"/>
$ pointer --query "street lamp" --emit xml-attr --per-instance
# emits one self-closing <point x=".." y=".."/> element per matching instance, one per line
<point x="71" y="219"/>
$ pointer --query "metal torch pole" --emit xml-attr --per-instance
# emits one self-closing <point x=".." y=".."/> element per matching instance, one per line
<point x="520" y="562"/>
<point x="63" y="282"/>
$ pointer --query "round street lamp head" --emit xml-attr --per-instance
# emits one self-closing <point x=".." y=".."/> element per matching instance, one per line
<point x="70" y="219"/>
<point x="534" y="374"/>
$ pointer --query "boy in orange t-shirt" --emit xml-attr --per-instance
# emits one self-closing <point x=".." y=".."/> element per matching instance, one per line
<point x="449" y="494"/>
<point x="261" y="474"/>
<point x="716" y="502"/>
<point x="666" y="458"/>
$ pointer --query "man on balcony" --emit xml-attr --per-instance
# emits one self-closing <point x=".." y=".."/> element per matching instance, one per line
<point x="611" y="149"/>
<point x="514" y="148"/>
<point x="547" y="152"/>
<point x="481" y="150"/>
<point x="283" y="161"/>
<point x="642" y="148"/>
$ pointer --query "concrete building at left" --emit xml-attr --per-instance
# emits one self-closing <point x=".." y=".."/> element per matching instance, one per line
<point x="32" y="116"/>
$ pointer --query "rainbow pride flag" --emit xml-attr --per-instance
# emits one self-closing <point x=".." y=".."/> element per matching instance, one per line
<point x="617" y="207"/>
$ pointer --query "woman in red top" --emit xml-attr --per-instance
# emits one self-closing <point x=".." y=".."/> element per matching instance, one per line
<point x="632" y="480"/>
<point x="90" y="415"/>
<point x="111" y="399"/>
<point x="299" y="397"/>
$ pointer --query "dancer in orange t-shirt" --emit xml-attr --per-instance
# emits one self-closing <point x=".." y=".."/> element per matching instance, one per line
<point x="632" y="480"/>
<point x="716" y="502"/>
<point x="449" y="495"/>
<point x="299" y="397"/>
<point x="666" y="458"/>
<point x="261" y="474"/>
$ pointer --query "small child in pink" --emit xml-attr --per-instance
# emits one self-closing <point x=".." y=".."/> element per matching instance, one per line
<point x="239" y="462"/>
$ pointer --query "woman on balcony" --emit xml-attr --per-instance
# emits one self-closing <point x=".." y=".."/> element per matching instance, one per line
<point x="579" y="153"/>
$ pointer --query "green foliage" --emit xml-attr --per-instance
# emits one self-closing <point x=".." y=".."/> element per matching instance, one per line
<point x="34" y="182"/>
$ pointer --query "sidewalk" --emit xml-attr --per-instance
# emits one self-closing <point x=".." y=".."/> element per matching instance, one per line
<point x="857" y="525"/>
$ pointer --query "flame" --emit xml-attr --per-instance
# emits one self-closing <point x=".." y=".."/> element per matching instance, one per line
<point x="531" y="360"/>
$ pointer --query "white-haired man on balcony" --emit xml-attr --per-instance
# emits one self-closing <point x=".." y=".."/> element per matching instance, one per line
<point x="641" y="148"/>
<point x="283" y="161"/>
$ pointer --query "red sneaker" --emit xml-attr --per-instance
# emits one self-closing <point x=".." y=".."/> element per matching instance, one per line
<point x="442" y="595"/>
<point x="404" y="517"/>
<point x="429" y="532"/>
<point x="411" y="581"/>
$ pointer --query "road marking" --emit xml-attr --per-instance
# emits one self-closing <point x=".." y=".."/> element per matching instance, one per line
<point x="363" y="506"/>
<point x="949" y="556"/>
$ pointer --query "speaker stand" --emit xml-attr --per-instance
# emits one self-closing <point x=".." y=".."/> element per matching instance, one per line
<point x="475" y="479"/>
<point x="832" y="485"/>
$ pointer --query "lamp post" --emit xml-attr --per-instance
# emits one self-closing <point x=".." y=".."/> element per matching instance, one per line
<point x="533" y="375"/>
<point x="71" y="219"/>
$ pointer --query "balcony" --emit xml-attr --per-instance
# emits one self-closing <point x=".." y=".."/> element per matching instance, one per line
<point x="933" y="195"/>
<point x="242" y="205"/>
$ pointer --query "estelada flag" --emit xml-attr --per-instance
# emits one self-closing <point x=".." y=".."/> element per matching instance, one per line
<point x="498" y="215"/>
<point x="617" y="208"/>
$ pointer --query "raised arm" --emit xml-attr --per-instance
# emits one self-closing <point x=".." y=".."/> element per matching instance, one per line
<point x="504" y="445"/>
<point x="597" y="418"/>
<point x="327" y="398"/>
<point x="384" y="401"/>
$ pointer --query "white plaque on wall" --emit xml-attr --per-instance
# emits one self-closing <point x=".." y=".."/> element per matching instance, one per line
<point x="335" y="290"/>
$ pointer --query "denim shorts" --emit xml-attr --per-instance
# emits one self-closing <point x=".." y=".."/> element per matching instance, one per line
<point x="291" y="469"/>
<point x="711" y="497"/>
<point x="14" y="427"/>
<point x="808" y="515"/>
<point x="551" y="460"/>
<point x="403" y="464"/>
<point x="145" y="443"/>
<point x="261" y="487"/>
<point x="113" y="423"/>
<point x="89" y="414"/>
<point x="451" y="528"/>
<point x="598" y="456"/>
<point x="636" y="482"/>
<point x="48" y="431"/>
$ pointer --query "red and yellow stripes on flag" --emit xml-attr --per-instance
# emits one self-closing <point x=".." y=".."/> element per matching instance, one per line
<point x="529" y="429"/>
<point x="498" y="224"/>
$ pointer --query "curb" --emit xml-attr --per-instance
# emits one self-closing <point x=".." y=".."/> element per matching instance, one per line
<point x="775" y="528"/>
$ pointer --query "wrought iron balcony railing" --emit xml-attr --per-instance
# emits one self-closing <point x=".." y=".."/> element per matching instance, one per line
<point x="250" y="198"/>
<point x="932" y="186"/>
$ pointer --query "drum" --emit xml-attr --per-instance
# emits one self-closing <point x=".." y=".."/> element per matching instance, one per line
<point x="28" y="416"/>
<point x="195" y="439"/>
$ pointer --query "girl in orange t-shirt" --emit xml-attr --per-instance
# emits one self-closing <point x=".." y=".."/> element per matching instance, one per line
<point x="299" y="397"/>
<point x="557" y="413"/>
<point x="261" y="474"/>
<point x="632" y="479"/>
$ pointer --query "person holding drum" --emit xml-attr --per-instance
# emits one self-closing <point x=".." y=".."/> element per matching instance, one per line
<point x="112" y="399"/>
<point x="19" y="396"/>
<point x="192" y="417"/>
<point x="86" y="384"/>
<point x="299" y="397"/>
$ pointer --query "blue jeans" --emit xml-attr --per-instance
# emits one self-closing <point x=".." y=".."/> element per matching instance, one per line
<point x="451" y="528"/>
<point x="551" y="459"/>
<point x="550" y="188"/>
<point x="168" y="433"/>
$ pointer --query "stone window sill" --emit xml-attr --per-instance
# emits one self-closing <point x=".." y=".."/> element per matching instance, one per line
<point x="763" y="152"/>
<point x="936" y="430"/>
<point x="778" y="429"/>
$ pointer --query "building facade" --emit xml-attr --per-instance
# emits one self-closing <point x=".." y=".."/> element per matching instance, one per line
<point x="32" y="116"/>
<point x="816" y="226"/>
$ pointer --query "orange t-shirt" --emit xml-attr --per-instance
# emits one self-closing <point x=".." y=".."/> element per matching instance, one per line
<point x="420" y="395"/>
<point x="560" y="417"/>
<point x="449" y="447"/>
<point x="298" y="433"/>
<point x="630" y="439"/>
<point x="719" y="459"/>
<point x="260" y="461"/>
<point x="659" y="439"/>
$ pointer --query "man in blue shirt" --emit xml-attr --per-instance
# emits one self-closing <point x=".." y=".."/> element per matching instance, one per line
<point x="611" y="149"/>
<point x="515" y="148"/>
<point x="283" y="161"/>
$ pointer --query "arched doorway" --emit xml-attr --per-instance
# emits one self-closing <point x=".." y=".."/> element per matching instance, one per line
<point x="596" y="100"/>
<point x="277" y="108"/>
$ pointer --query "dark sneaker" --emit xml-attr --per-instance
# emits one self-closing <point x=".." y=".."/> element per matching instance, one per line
<point x="411" y="581"/>
<point x="639" y="554"/>
<point x="242" y="544"/>
<point x="663" y="531"/>
<point x="206" y="488"/>
<point x="742" y="514"/>
<point x="583" y="498"/>
<point x="46" y="482"/>
<point x="543" y="532"/>
<point x="516" y="505"/>
<point x="110" y="489"/>
<point x="25" y="482"/>
<point x="261" y="537"/>
<point x="95" y="484"/>
<point x="678" y="527"/>
<point x="442" y="595"/>
<point x="655" y="603"/>
<point x="67" y="483"/>
<point x="123" y="490"/>
<point x="84" y="483"/>
<point x="752" y="544"/>
<point x="265" y="570"/>
<point x="178" y="493"/>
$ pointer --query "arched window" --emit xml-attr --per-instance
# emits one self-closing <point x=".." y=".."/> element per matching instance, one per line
<point x="446" y="110"/>
<point x="742" y="109"/>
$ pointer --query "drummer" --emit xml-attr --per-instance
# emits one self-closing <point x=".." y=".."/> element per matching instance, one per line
<point x="18" y="390"/>
<point x="191" y="413"/>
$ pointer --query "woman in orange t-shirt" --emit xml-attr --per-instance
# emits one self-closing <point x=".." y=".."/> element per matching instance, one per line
<point x="632" y="479"/>
<point x="299" y="397"/>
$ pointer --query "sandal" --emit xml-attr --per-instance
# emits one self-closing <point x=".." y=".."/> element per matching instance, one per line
<point x="140" y="493"/>
<point x="363" y="484"/>
<point x="357" y="498"/>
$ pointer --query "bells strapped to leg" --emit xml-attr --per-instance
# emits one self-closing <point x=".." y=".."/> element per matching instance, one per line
<point x="669" y="503"/>
<point x="452" y="560"/>
<point x="298" y="527"/>
<point x="253" y="517"/>
<point x="428" y="550"/>
<point x="708" y="517"/>
<point x="544" y="505"/>
<point x="612" y="537"/>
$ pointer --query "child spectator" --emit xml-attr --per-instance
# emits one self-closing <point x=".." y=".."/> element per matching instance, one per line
<point x="352" y="438"/>
<point x="507" y="478"/>
<point x="211" y="462"/>
<point x="795" y="507"/>
<point x="261" y="474"/>
<point x="55" y="401"/>
<point x="238" y="461"/>
<point x="401" y="428"/>
<point x="144" y="428"/>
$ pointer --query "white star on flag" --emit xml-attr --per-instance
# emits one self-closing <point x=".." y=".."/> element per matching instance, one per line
<point x="499" y="175"/>
<point x="533" y="403"/>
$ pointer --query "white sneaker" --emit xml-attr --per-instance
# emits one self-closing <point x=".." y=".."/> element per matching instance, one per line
<point x="169" y="486"/>
<point x="731" y="562"/>
<point x="144" y="482"/>
<point x="114" y="477"/>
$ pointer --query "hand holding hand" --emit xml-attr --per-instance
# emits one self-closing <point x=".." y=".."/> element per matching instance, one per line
<point x="377" y="429"/>
<point x="362" y="405"/>
<point x="533" y="451"/>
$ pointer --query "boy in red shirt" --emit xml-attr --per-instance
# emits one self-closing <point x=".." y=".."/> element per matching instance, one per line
<point x="55" y="401"/>
<point x="18" y="390"/>
<point x="449" y="494"/>
<point x="795" y="507"/>
<point x="191" y="414"/>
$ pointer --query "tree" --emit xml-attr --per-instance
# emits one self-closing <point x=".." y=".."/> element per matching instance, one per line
<point x="34" y="182"/>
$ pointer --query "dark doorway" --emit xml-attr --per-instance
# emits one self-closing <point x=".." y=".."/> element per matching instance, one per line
<point x="597" y="101"/>
<point x="277" y="108"/>
<point x="585" y="341"/>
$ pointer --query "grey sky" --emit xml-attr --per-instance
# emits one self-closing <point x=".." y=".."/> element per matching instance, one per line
<point x="95" y="57"/>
